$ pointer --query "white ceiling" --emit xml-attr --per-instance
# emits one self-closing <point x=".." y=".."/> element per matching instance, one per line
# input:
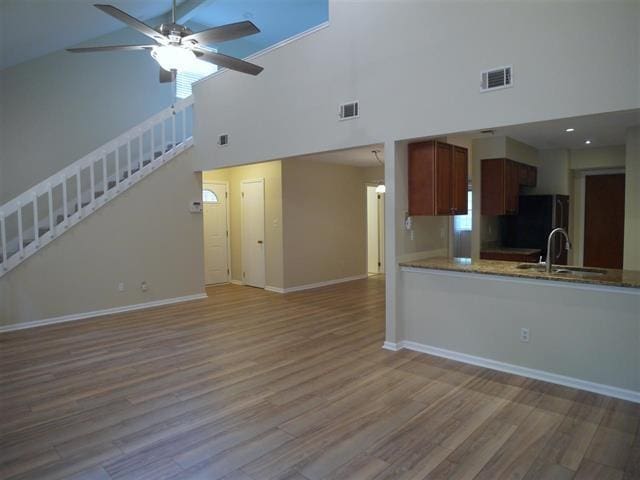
<point x="605" y="129"/>
<point x="357" y="157"/>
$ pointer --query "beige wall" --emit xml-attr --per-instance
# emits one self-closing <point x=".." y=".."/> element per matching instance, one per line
<point x="570" y="326"/>
<point x="632" y="201"/>
<point x="145" y="234"/>
<point x="597" y="158"/>
<point x="324" y="212"/>
<point x="554" y="175"/>
<point x="59" y="107"/>
<point x="271" y="172"/>
<point x="315" y="219"/>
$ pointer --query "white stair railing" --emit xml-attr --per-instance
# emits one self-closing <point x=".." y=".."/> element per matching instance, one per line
<point x="47" y="210"/>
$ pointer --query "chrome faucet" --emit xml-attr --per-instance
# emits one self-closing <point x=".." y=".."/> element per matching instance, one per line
<point x="549" y="255"/>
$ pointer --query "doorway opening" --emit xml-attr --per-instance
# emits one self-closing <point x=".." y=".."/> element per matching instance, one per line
<point x="375" y="230"/>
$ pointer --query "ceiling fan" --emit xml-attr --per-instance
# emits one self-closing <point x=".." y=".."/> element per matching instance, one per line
<point x="177" y="48"/>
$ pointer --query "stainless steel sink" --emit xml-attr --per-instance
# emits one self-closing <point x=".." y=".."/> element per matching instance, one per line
<point x="562" y="270"/>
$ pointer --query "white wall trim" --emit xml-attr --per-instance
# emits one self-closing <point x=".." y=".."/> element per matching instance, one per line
<point x="100" y="313"/>
<point x="274" y="289"/>
<point x="630" y="395"/>
<point x="526" y="281"/>
<point x="310" y="286"/>
<point x="236" y="282"/>
<point x="394" y="347"/>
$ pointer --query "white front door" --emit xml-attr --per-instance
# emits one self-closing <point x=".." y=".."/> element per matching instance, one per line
<point x="214" y="197"/>
<point x="253" y="247"/>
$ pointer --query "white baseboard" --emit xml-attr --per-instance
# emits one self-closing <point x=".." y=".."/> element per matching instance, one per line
<point x="310" y="286"/>
<point x="100" y="313"/>
<point x="394" y="347"/>
<point x="410" y="257"/>
<point x="274" y="289"/>
<point x="624" y="394"/>
<point x="236" y="282"/>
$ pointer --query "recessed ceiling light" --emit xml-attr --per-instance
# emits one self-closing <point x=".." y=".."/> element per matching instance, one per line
<point x="570" y="130"/>
<point x="588" y="142"/>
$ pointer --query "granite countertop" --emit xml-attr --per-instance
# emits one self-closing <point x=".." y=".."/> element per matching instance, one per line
<point x="613" y="278"/>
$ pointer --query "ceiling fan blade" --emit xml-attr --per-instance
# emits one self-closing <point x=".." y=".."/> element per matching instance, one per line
<point x="132" y="22"/>
<point x="223" y="33"/>
<point x="111" y="48"/>
<point x="167" y="77"/>
<point x="231" y="63"/>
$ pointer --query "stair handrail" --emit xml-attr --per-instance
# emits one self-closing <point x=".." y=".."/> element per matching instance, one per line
<point x="170" y="145"/>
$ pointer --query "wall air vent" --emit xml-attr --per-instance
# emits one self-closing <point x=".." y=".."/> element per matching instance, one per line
<point x="348" y="111"/>
<point x="496" y="79"/>
<point x="223" y="140"/>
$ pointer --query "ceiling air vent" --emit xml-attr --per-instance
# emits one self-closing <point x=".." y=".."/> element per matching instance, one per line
<point x="348" y="111"/>
<point x="223" y="140"/>
<point x="496" y="78"/>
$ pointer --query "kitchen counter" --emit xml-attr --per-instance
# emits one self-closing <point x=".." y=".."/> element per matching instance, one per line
<point x="613" y="278"/>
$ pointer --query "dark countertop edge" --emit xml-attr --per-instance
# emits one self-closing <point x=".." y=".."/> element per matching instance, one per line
<point x="555" y="278"/>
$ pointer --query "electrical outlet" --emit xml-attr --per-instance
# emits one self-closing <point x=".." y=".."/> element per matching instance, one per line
<point x="144" y="287"/>
<point x="121" y="287"/>
<point x="525" y="335"/>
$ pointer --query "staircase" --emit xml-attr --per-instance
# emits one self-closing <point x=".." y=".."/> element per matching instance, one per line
<point x="47" y="210"/>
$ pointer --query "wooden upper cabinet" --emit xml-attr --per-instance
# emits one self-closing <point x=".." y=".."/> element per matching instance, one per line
<point x="501" y="181"/>
<point x="444" y="170"/>
<point x="460" y="180"/>
<point x="437" y="179"/>
<point x="511" y="187"/>
<point x="527" y="175"/>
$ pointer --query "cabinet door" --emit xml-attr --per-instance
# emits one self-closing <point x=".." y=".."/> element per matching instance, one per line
<point x="511" y="187"/>
<point x="444" y="160"/>
<point x="492" y="189"/>
<point x="459" y="181"/>
<point x="421" y="178"/>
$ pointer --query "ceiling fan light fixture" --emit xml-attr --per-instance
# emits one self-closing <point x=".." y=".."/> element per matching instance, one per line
<point x="171" y="57"/>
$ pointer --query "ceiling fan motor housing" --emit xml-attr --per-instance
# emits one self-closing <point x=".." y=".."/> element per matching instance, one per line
<point x="174" y="32"/>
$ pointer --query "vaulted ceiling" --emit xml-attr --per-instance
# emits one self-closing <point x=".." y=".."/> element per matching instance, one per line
<point x="33" y="28"/>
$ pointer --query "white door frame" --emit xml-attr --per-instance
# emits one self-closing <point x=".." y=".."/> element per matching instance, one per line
<point x="228" y="225"/>
<point x="381" y="231"/>
<point x="264" y="216"/>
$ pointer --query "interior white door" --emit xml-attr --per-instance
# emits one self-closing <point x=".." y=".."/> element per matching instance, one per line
<point x="375" y="231"/>
<point x="253" y="246"/>
<point x="372" y="230"/>
<point x="381" y="231"/>
<point x="216" y="266"/>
